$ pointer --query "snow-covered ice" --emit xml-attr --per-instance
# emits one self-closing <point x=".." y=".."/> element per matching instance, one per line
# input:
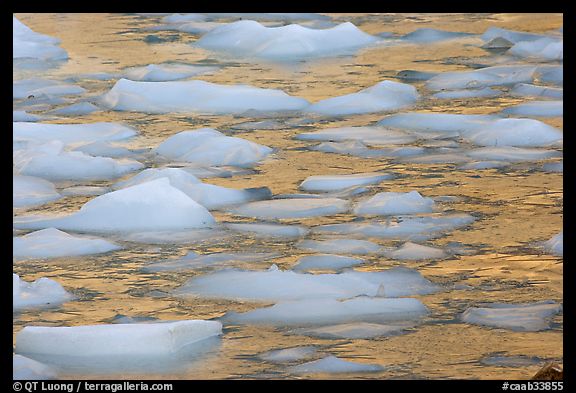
<point x="31" y="191"/>
<point x="194" y="260"/>
<point x="25" y="116"/>
<point x="326" y="183"/>
<point x="428" y="35"/>
<point x="43" y="292"/>
<point x="37" y="87"/>
<point x="468" y="93"/>
<point x="292" y="208"/>
<point x="332" y="364"/>
<point x="394" y="203"/>
<point x="549" y="48"/>
<point x="528" y="317"/>
<point x="443" y="123"/>
<point x="79" y="109"/>
<point x="512" y="153"/>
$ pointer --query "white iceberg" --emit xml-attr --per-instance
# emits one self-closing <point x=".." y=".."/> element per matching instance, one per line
<point x="311" y="312"/>
<point x="332" y="364"/>
<point x="292" y="208"/>
<point x="366" y="135"/>
<point x="26" y="43"/>
<point x="416" y="252"/>
<point x="269" y="230"/>
<point x="150" y="206"/>
<point x="328" y="183"/>
<point x="166" y="72"/>
<point x="52" y="243"/>
<point x="556" y="244"/>
<point x="528" y="317"/>
<point x="288" y="355"/>
<point x="528" y="90"/>
<point x="548" y="48"/>
<point x="197" y="97"/>
<point x="394" y="203"/>
<point x="344" y="246"/>
<point x="250" y="39"/>
<point x="24" y="368"/>
<point x="384" y="96"/>
<point x="43" y="292"/>
<point x="209" y="147"/>
<point x="326" y="262"/>
<point x="516" y="132"/>
<point x="537" y="109"/>
<point x="274" y="285"/>
<point x="180" y="18"/>
<point x="71" y="133"/>
<point x="483" y="77"/>
<point x="31" y="191"/>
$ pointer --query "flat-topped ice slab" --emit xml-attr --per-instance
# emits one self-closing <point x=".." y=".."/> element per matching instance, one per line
<point x="510" y="35"/>
<point x="326" y="262"/>
<point x="197" y="97"/>
<point x="384" y="96"/>
<point x="280" y="285"/>
<point x="314" y="312"/>
<point x="292" y="208"/>
<point x="43" y="292"/>
<point x="366" y="135"/>
<point x="250" y="39"/>
<point x="468" y="93"/>
<point x="24" y="368"/>
<point x="150" y="206"/>
<point x="326" y="183"/>
<point x="52" y="243"/>
<point x="71" y="133"/>
<point x="512" y="154"/>
<point x="528" y="317"/>
<point x="32" y="191"/>
<point x="38" y="88"/>
<point x="334" y="365"/>
<point x="395" y="203"/>
<point x="208" y="147"/>
<point x="166" y="72"/>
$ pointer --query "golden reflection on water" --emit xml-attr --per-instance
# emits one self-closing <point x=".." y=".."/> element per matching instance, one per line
<point x="516" y="208"/>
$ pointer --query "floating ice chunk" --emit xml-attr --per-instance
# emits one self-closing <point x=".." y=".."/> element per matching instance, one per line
<point x="484" y="77"/>
<point x="537" y="109"/>
<point x="427" y="35"/>
<point x="556" y="244"/>
<point x="411" y="75"/>
<point x="468" y="93"/>
<point x="510" y="35"/>
<point x="367" y="135"/>
<point x="194" y="260"/>
<point x="166" y="72"/>
<point x="288" y="355"/>
<point x="402" y="227"/>
<point x="512" y="154"/>
<point x="356" y="330"/>
<point x="30" y="191"/>
<point x="85" y="191"/>
<point x="483" y="165"/>
<point x="40" y="293"/>
<point x="52" y="243"/>
<point x="150" y="206"/>
<point x="413" y="251"/>
<point x="181" y="18"/>
<point x="312" y="312"/>
<point x="25" y="116"/>
<point x="545" y="48"/>
<point x="79" y="109"/>
<point x="26" y="43"/>
<point x="209" y="147"/>
<point x="326" y="262"/>
<point x="71" y="133"/>
<point x="528" y="317"/>
<point x="384" y="96"/>
<point x="278" y="285"/>
<point x="393" y="203"/>
<point x="197" y="96"/>
<point x="270" y="230"/>
<point x="498" y="43"/>
<point x="526" y="90"/>
<point x="293" y="208"/>
<point x="553" y="167"/>
<point x="51" y="162"/>
<point x="24" y="368"/>
<point x="448" y="124"/>
<point x="340" y="182"/>
<point x="332" y="364"/>
<point x="345" y="246"/>
<point x="104" y="149"/>
<point x="115" y="348"/>
<point x="516" y="132"/>
<point x="248" y="38"/>
<point x="38" y="87"/>
<point x="551" y="74"/>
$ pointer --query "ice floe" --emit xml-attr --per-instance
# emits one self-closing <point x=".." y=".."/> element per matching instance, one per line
<point x="527" y="90"/>
<point x="36" y="87"/>
<point x="104" y="149"/>
<point x="442" y="123"/>
<point x="250" y="39"/>
<point x="529" y="317"/>
<point x="384" y="96"/>
<point x="551" y="74"/>
<point x="166" y="72"/>
<point x="516" y="132"/>
<point x="556" y="244"/>
<point x="269" y="230"/>
<point x="340" y="182"/>
<point x="71" y="133"/>
<point x="43" y="292"/>
<point x="344" y="246"/>
<point x="510" y="35"/>
<point x="31" y="191"/>
<point x="27" y="43"/>
<point x="52" y="243"/>
<point x="363" y="330"/>
<point x="484" y="77"/>
<point x="197" y="96"/>
<point x="278" y="285"/>
<point x="292" y="208"/>
<point x="326" y="262"/>
<point x="288" y="355"/>
<point x="468" y="93"/>
<point x="394" y="203"/>
<point x="79" y="109"/>
<point x="366" y="135"/>
<point x="537" y="109"/>
<point x="25" y="116"/>
<point x="548" y="48"/>
<point x="414" y="252"/>
<point x="24" y="368"/>
<point x="332" y="364"/>
<point x="193" y="260"/>
<point x="512" y="154"/>
<point x="150" y="206"/>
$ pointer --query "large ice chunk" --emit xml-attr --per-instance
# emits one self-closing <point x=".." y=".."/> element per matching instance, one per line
<point x="209" y="147"/>
<point x="71" y="133"/>
<point x="332" y="364"/>
<point x="24" y="368"/>
<point x="384" y="96"/>
<point x="31" y="191"/>
<point x="510" y="35"/>
<point x="277" y="285"/>
<point x="43" y="292"/>
<point x="516" y="132"/>
<point x="52" y="243"/>
<point x="293" y="208"/>
<point x="251" y="39"/>
<point x="428" y="35"/>
<point x="197" y="96"/>
<point x="537" y="109"/>
<point x="467" y="93"/>
<point x="38" y="88"/>
<point x="166" y="72"/>
<point x="26" y="43"/>
<point x="394" y="203"/>
<point x="150" y="206"/>
<point x="529" y="317"/>
<point x="341" y="182"/>
<point x="548" y="48"/>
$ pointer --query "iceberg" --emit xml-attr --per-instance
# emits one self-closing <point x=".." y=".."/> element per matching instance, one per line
<point x="332" y="364"/>
<point x="43" y="292"/>
<point x="292" y="208"/>
<point x="52" y="243"/>
<point x="209" y="147"/>
<point x="468" y="93"/>
<point x="104" y="149"/>
<point x="340" y="182"/>
<point x="442" y="123"/>
<point x="527" y="317"/>
<point x="37" y="88"/>
<point x="384" y="96"/>
<point x="30" y="191"/>
<point x="250" y="39"/>
<point x="395" y="203"/>
<point x="550" y="74"/>
<point x="512" y="154"/>
<point x="79" y="109"/>
<point x="510" y="35"/>
<point x="326" y="262"/>
<point x="197" y="97"/>
<point x="166" y="72"/>
<point x="26" y="43"/>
